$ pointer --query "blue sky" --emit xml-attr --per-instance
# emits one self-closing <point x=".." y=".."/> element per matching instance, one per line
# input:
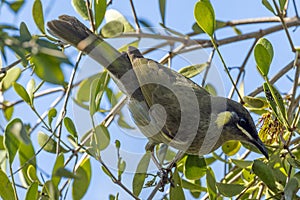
<point x="179" y="16"/>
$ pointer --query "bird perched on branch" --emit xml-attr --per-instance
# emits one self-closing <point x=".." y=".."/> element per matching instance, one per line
<point x="166" y="106"/>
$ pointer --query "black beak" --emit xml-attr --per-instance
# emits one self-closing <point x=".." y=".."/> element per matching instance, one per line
<point x="261" y="147"/>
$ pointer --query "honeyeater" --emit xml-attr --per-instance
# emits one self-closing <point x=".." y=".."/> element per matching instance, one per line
<point x="166" y="106"/>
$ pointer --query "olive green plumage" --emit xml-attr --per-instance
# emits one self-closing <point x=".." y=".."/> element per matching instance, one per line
<point x="166" y="106"/>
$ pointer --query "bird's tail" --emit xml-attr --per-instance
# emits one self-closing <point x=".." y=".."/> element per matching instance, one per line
<point x="70" y="30"/>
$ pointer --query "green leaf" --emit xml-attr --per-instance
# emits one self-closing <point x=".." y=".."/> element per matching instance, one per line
<point x="291" y="189"/>
<point x="24" y="33"/>
<point x="18" y="129"/>
<point x="205" y="16"/>
<point x="20" y="90"/>
<point x="32" y="191"/>
<point x="62" y="172"/>
<point x="268" y="6"/>
<point x="31" y="174"/>
<point x="211" y="89"/>
<point x="106" y="171"/>
<point x="140" y="174"/>
<point x="112" y="14"/>
<point x="11" y="76"/>
<point x="124" y="48"/>
<point x="48" y="68"/>
<point x="270" y="99"/>
<point x="59" y="162"/>
<point x="15" y="6"/>
<point x="4" y="158"/>
<point x="84" y="88"/>
<point x="276" y="102"/>
<point x="2" y="143"/>
<point x="30" y="88"/>
<point x="230" y="190"/>
<point x="27" y="158"/>
<point x="192" y="70"/>
<point x="38" y="16"/>
<point x="100" y="140"/>
<point x="162" y="10"/>
<point x="122" y="123"/>
<point x="81" y="8"/>
<point x="11" y="143"/>
<point x="211" y="184"/>
<point x="197" y="29"/>
<point x="99" y="10"/>
<point x="194" y="167"/>
<point x="176" y="192"/>
<point x="121" y="167"/>
<point x="231" y="147"/>
<point x="236" y="30"/>
<point x="48" y="143"/>
<point x="14" y="134"/>
<point x="70" y="127"/>
<point x="241" y="163"/>
<point x="112" y="29"/>
<point x="51" y="115"/>
<point x="192" y="186"/>
<point x="7" y="193"/>
<point x="263" y="54"/>
<point x="81" y="184"/>
<point x="8" y="112"/>
<point x="96" y="92"/>
<point x="282" y="4"/>
<point x="255" y="102"/>
<point x="50" y="191"/>
<point x="265" y="173"/>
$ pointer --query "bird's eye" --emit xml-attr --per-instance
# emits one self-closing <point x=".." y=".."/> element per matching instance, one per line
<point x="242" y="122"/>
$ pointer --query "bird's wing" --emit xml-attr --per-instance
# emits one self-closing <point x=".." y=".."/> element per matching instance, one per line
<point x="178" y="96"/>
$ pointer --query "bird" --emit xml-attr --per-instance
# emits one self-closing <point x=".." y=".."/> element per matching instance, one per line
<point x="166" y="106"/>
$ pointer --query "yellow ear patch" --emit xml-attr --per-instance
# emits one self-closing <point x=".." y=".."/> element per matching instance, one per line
<point x="223" y="118"/>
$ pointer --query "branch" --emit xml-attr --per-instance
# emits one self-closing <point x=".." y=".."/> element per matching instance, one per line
<point x="290" y="22"/>
<point x="295" y="86"/>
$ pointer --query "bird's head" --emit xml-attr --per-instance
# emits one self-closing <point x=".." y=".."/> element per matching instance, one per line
<point x="237" y="124"/>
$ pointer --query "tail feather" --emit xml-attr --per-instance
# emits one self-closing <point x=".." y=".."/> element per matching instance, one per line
<point x="72" y="31"/>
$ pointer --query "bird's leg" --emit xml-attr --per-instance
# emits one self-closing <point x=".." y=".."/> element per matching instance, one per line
<point x="165" y="178"/>
<point x="163" y="173"/>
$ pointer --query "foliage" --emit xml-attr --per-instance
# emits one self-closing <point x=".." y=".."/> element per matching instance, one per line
<point x="56" y="133"/>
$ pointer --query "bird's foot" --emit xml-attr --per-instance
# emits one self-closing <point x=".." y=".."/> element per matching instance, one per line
<point x="166" y="176"/>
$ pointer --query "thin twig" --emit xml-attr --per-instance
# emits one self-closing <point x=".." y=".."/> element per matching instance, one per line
<point x="295" y="7"/>
<point x="116" y="181"/>
<point x="90" y="15"/>
<point x="13" y="181"/>
<point x="242" y="69"/>
<point x="245" y="190"/>
<point x="209" y="61"/>
<point x="65" y="104"/>
<point x="5" y="69"/>
<point x="136" y="21"/>
<point x="284" y="25"/>
<point x="226" y="69"/>
<point x="295" y="86"/>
